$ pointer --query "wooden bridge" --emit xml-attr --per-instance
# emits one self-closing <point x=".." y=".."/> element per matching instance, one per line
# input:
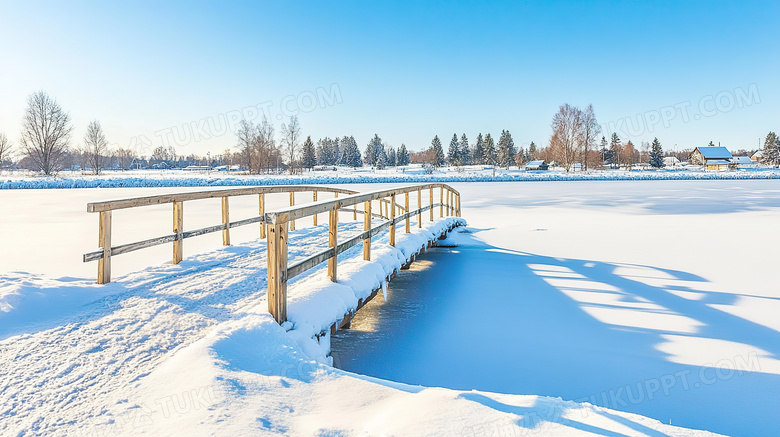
<point x="275" y="225"/>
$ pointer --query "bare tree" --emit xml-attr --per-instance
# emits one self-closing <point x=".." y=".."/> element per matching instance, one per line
<point x="590" y="132"/>
<point x="125" y="158"/>
<point x="5" y="149"/>
<point x="95" y="146"/>
<point x="45" y="132"/>
<point x="268" y="155"/>
<point x="567" y="135"/>
<point x="291" y="136"/>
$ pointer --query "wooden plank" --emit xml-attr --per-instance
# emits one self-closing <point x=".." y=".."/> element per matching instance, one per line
<point x="333" y="228"/>
<point x="178" y="228"/>
<point x="441" y="201"/>
<point x="292" y="203"/>
<point x="226" y="222"/>
<point x="314" y="199"/>
<point x="277" y="272"/>
<point x="431" y="202"/>
<point x="104" y="263"/>
<point x="392" y="217"/>
<point x="261" y="203"/>
<point x="406" y="203"/>
<point x="419" y="208"/>
<point x="367" y="227"/>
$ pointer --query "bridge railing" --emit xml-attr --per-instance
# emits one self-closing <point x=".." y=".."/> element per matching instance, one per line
<point x="274" y="225"/>
<point x="104" y="255"/>
<point x="278" y="224"/>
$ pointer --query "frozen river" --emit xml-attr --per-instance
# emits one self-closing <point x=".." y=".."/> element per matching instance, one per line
<point x="641" y="297"/>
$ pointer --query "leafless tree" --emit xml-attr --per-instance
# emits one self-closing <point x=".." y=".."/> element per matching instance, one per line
<point x="125" y="158"/>
<point x="246" y="145"/>
<point x="590" y="132"/>
<point x="45" y="132"/>
<point x="95" y="146"/>
<point x="291" y="136"/>
<point x="268" y="155"/>
<point x="5" y="149"/>
<point x="567" y="135"/>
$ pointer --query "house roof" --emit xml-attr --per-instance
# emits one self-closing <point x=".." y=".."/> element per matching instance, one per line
<point x="717" y="162"/>
<point x="534" y="163"/>
<point x="714" y="152"/>
<point x="742" y="160"/>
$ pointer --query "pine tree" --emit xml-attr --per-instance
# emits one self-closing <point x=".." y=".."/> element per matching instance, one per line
<point x="532" y="151"/>
<point x="370" y="157"/>
<point x="506" y="149"/>
<point x="391" y="157"/>
<point x="350" y="155"/>
<point x="478" y="157"/>
<point x="453" y="154"/>
<point x="465" y="151"/>
<point x="656" y="154"/>
<point x="614" y="150"/>
<point x="381" y="155"/>
<point x="437" y="152"/>
<point x="771" y="149"/>
<point x="308" y="158"/>
<point x="604" y="151"/>
<point x="403" y="155"/>
<point x="491" y="157"/>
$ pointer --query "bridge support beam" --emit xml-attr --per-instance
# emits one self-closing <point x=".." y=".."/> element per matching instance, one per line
<point x="277" y="271"/>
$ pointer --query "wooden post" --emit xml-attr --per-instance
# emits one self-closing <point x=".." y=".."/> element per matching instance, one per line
<point x="333" y="229"/>
<point x="277" y="271"/>
<point x="262" y="214"/>
<point x="178" y="228"/>
<point x="458" y="205"/>
<point x="392" y="217"/>
<point x="314" y="198"/>
<point x="226" y="221"/>
<point x="449" y="209"/>
<point x="431" y="203"/>
<point x="419" y="206"/>
<point x="367" y="227"/>
<point x="441" y="201"/>
<point x="104" y="236"/>
<point x="292" y="203"/>
<point x="406" y="203"/>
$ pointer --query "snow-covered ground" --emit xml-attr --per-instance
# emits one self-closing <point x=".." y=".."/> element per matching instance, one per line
<point x="415" y="173"/>
<point x="602" y="285"/>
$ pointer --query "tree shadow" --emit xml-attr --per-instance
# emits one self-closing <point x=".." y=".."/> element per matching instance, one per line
<point x="504" y="321"/>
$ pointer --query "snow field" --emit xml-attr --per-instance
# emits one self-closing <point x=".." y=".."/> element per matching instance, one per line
<point x="145" y="179"/>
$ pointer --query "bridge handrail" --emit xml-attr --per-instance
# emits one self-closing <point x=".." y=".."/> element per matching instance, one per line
<point x="277" y="222"/>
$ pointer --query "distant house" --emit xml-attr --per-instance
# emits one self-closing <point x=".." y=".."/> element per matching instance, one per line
<point x="712" y="158"/>
<point x="743" y="162"/>
<point x="757" y="156"/>
<point x="671" y="161"/>
<point x="536" y="165"/>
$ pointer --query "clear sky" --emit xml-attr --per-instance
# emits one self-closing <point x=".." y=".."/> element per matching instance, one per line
<point x="688" y="72"/>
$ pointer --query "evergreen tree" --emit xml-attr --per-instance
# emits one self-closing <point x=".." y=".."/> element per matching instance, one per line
<point x="604" y="151"/>
<point x="532" y="151"/>
<point x="370" y="157"/>
<point x="491" y="157"/>
<point x="453" y="154"/>
<point x="403" y="156"/>
<point x="437" y="152"/>
<point x="350" y="155"/>
<point x="656" y="154"/>
<point x="308" y="158"/>
<point x="506" y="150"/>
<point x="478" y="157"/>
<point x="465" y="151"/>
<point x="381" y="155"/>
<point x="614" y="150"/>
<point x="771" y="149"/>
<point x="391" y="157"/>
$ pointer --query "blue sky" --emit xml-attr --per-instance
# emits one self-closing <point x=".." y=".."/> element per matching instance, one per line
<point x="687" y="72"/>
